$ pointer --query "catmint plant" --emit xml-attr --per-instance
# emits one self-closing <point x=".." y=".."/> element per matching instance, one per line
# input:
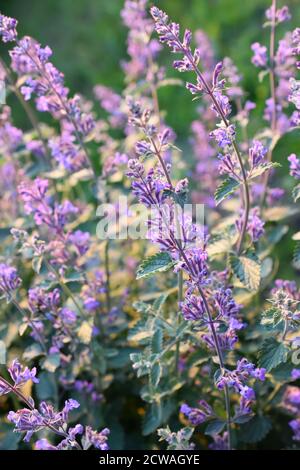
<point x="147" y="325"/>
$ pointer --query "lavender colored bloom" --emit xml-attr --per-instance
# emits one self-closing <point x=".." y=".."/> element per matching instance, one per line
<point x="67" y="316"/>
<point x="274" y="195"/>
<point x="41" y="300"/>
<point x="294" y="96"/>
<point x="8" y="30"/>
<point x="9" y="280"/>
<point x="294" y="166"/>
<point x="20" y="375"/>
<point x="283" y="14"/>
<point x="198" y="415"/>
<point x="193" y="308"/>
<point x="80" y="240"/>
<point x="259" y="58"/>
<point x="220" y="442"/>
<point x="223" y="136"/>
<point x="236" y="379"/>
<point x="295" y="375"/>
<point x="295" y="426"/>
<point x="257" y="153"/>
<point x="97" y="439"/>
<point x="255" y="225"/>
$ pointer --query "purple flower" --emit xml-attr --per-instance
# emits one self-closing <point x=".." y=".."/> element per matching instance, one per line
<point x="294" y="166"/>
<point x="97" y="439"/>
<point x="193" y="308"/>
<point x="295" y="426"/>
<point x="21" y="375"/>
<point x="257" y="153"/>
<point x="283" y="14"/>
<point x="8" y="28"/>
<point x="236" y="379"/>
<point x="259" y="58"/>
<point x="295" y="374"/>
<point x="67" y="316"/>
<point x="255" y="225"/>
<point x="198" y="415"/>
<point x="9" y="280"/>
<point x="80" y="240"/>
<point x="223" y="136"/>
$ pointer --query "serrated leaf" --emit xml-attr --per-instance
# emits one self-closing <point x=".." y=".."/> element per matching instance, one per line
<point x="226" y="188"/>
<point x="247" y="268"/>
<point x="155" y="374"/>
<point x="157" y="263"/>
<point x="272" y="353"/>
<point x="296" y="192"/>
<point x="260" y="169"/>
<point x="215" y="427"/>
<point x="255" y="430"/>
<point x="156" y="341"/>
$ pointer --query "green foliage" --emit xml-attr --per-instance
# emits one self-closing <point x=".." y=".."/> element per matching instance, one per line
<point x="226" y="189"/>
<point x="247" y="268"/>
<point x="157" y="263"/>
<point x="272" y="353"/>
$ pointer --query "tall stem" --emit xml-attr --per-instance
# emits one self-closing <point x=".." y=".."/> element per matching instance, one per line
<point x="27" y="108"/>
<point x="273" y="97"/>
<point x="64" y="287"/>
<point x="68" y="116"/>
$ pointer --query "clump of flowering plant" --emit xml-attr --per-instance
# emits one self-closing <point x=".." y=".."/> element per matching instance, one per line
<point x="188" y="325"/>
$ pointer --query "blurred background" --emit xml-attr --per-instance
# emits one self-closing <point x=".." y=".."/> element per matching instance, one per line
<point x="89" y="40"/>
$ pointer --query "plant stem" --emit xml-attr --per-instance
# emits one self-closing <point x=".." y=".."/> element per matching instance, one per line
<point x="70" y="118"/>
<point x="22" y="397"/>
<point x="273" y="97"/>
<point x="65" y="288"/>
<point x="27" y="108"/>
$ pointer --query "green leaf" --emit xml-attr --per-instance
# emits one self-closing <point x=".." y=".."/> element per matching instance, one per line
<point x="159" y="262"/>
<point x="32" y="351"/>
<point x="271" y="317"/>
<point x="260" y="169"/>
<point x="215" y="427"/>
<point x="296" y="192"/>
<point x="272" y="353"/>
<point x="226" y="188"/>
<point x="247" y="268"/>
<point x="296" y="257"/>
<point x="2" y="352"/>
<point x="47" y="386"/>
<point x="255" y="430"/>
<point x="52" y="362"/>
<point x="152" y="419"/>
<point x="156" y="341"/>
<point x="155" y="374"/>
